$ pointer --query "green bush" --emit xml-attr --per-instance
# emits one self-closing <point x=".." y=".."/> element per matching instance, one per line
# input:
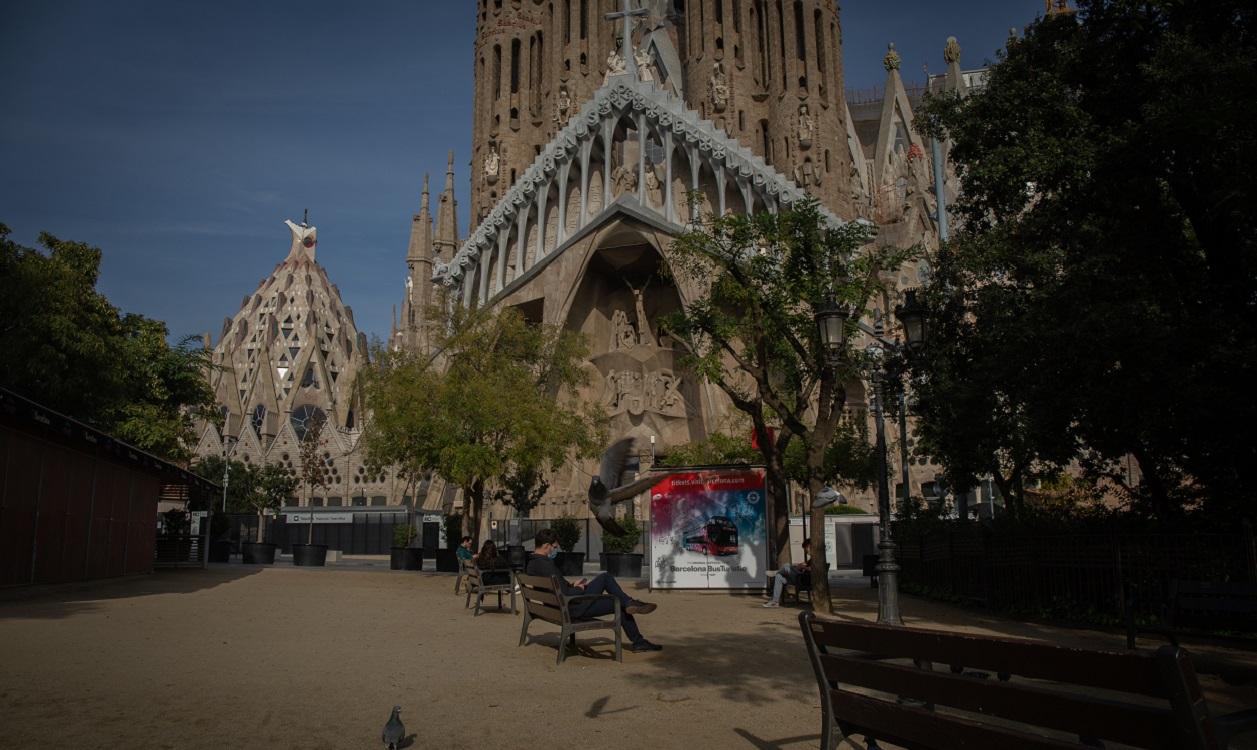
<point x="568" y="529"/>
<point x="626" y="542"/>
<point x="403" y="534"/>
<point x="845" y="510"/>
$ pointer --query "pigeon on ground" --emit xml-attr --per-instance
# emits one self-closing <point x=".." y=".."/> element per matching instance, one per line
<point x="605" y="489"/>
<point x="394" y="730"/>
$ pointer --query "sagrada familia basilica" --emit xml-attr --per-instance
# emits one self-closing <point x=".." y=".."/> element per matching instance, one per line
<point x="594" y="122"/>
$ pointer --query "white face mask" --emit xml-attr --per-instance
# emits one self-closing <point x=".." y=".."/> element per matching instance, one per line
<point x="553" y="553"/>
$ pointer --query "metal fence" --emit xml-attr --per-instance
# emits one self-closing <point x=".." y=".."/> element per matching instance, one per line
<point x="369" y="534"/>
<point x="522" y="531"/>
<point x="1085" y="577"/>
<point x="178" y="551"/>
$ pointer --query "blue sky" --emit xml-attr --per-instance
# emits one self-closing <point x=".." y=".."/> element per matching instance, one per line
<point x="177" y="136"/>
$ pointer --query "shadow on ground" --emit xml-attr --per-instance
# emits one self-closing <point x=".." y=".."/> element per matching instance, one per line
<point x="766" y="666"/>
<point x="66" y="600"/>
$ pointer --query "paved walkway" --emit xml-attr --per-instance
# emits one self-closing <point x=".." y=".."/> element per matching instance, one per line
<point x="289" y="657"/>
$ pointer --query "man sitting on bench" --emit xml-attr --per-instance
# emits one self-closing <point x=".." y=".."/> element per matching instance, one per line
<point x="790" y="574"/>
<point x="541" y="563"/>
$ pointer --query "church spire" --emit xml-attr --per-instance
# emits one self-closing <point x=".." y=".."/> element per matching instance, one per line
<point x="446" y="243"/>
<point x="1058" y="7"/>
<point x="421" y="232"/>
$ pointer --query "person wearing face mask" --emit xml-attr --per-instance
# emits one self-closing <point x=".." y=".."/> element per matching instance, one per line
<point x="541" y="563"/>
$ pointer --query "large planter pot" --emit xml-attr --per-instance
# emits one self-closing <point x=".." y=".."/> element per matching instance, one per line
<point x="220" y="551"/>
<point x="571" y="563"/>
<point x="405" y="558"/>
<point x="313" y="555"/>
<point x="258" y="553"/>
<point x="516" y="555"/>
<point x="446" y="561"/>
<point x="621" y="564"/>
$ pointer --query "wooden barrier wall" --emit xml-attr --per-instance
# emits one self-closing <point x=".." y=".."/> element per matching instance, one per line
<point x="70" y="515"/>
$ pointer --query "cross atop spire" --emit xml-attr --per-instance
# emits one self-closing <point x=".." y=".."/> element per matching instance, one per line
<point x="626" y="44"/>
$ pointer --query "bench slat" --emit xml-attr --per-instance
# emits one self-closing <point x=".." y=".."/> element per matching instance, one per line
<point x="533" y="595"/>
<point x="918" y="728"/>
<point x="1144" y="726"/>
<point x="1131" y="672"/>
<point x="540" y="611"/>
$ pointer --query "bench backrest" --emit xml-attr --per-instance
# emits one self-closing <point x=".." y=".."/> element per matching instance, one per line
<point x="543" y="598"/>
<point x="1044" y="697"/>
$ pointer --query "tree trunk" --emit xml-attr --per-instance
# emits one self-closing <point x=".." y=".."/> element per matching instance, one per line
<point x="820" y="562"/>
<point x="475" y="505"/>
<point x="261" y="535"/>
<point x="779" y="510"/>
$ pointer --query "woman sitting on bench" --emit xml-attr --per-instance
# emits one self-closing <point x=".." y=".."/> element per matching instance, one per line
<point x="790" y="574"/>
<point x="494" y="570"/>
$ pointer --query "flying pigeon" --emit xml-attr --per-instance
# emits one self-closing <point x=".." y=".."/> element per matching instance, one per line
<point x="394" y="730"/>
<point x="605" y="489"/>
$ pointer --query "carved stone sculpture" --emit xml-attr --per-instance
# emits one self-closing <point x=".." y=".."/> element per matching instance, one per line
<point x="562" y="107"/>
<point x="492" y="164"/>
<point x="624" y="180"/>
<point x="807" y="127"/>
<point x="645" y="70"/>
<point x="615" y="65"/>
<point x="718" y="88"/>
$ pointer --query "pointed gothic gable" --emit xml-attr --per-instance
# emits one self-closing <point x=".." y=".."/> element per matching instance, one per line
<point x="631" y="141"/>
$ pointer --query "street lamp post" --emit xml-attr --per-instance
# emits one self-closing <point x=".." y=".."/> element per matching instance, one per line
<point x="831" y="323"/>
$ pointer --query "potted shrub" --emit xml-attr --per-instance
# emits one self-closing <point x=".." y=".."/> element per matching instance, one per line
<point x="447" y="559"/>
<point x="271" y="487"/>
<point x="403" y="556"/>
<point x="315" y="472"/>
<point x="618" y="559"/>
<point x="568" y="530"/>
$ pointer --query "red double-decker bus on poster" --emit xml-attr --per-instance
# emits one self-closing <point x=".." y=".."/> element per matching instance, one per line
<point x="717" y="536"/>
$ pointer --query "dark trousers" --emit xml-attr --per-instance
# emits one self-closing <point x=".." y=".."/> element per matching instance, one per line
<point x="605" y="583"/>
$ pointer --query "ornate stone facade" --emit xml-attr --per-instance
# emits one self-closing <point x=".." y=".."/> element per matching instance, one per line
<point x="591" y="161"/>
<point x="290" y="356"/>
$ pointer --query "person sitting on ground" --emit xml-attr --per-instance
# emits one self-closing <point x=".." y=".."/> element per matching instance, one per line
<point x="464" y="550"/>
<point x="541" y="563"/>
<point x="494" y="570"/>
<point x="790" y="574"/>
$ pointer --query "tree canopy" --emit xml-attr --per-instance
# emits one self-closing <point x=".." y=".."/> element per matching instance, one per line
<point x="68" y="348"/>
<point x="495" y="407"/>
<point x="1097" y="300"/>
<point x="751" y="330"/>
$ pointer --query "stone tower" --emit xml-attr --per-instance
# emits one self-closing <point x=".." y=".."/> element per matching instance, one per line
<point x="766" y="72"/>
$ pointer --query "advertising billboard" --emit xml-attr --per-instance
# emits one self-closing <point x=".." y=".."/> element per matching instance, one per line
<point x="708" y="530"/>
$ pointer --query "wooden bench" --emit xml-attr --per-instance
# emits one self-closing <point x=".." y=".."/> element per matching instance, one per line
<point x="478" y="588"/>
<point x="462" y="573"/>
<point x="878" y="681"/>
<point x="1196" y="608"/>
<point x="544" y="600"/>
<point x="802" y="585"/>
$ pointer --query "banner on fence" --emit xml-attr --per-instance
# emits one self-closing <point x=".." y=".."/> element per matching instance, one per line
<point x="319" y="517"/>
<point x="707" y="530"/>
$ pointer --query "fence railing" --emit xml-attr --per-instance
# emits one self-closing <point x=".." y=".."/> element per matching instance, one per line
<point x="178" y="551"/>
<point x="1085" y="577"/>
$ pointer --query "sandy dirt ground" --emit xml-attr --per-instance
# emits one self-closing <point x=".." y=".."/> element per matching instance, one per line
<point x="283" y="657"/>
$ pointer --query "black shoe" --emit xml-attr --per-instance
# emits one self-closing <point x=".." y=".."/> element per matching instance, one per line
<point x="640" y="608"/>
<point x="644" y="645"/>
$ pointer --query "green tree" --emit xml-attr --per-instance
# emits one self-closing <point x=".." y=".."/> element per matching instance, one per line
<point x="68" y="348"/>
<point x="751" y="330"/>
<point x="495" y="405"/>
<point x="240" y="484"/>
<point x="273" y="485"/>
<point x="1097" y="300"/>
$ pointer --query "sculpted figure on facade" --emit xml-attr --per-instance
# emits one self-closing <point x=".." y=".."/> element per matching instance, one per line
<point x="623" y="335"/>
<point x="492" y="164"/>
<point x="654" y="188"/>
<point x="718" y="88"/>
<point x="624" y="180"/>
<point x="645" y="67"/>
<point x="615" y="65"/>
<point x="562" y="107"/>
<point x="807" y="128"/>
<point x="644" y="335"/>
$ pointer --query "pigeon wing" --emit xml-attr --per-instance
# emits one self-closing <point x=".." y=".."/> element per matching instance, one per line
<point x="602" y="512"/>
<point x="620" y="494"/>
<point x="613" y="460"/>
